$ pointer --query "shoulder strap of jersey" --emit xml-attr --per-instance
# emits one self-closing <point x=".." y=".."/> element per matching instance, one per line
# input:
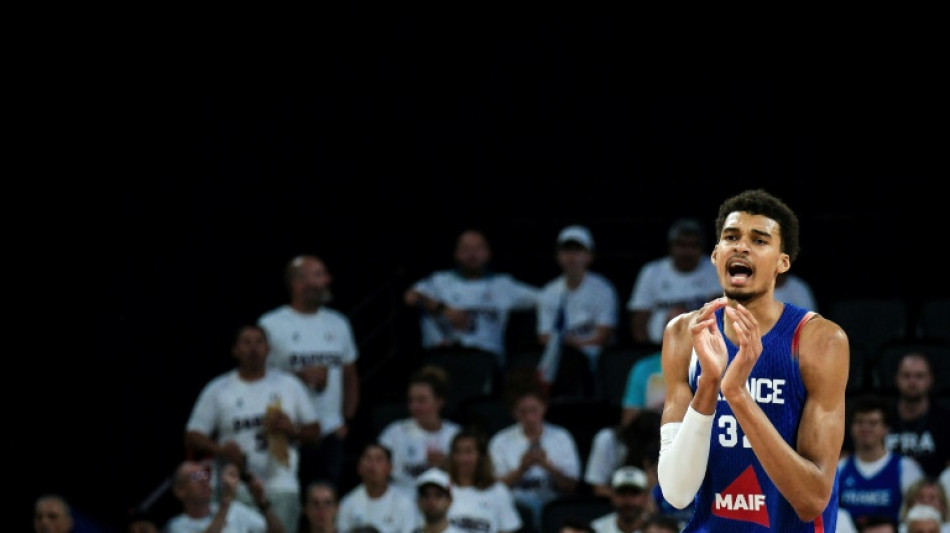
<point x="808" y="316"/>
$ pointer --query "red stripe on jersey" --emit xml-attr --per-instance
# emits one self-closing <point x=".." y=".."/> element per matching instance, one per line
<point x="798" y="328"/>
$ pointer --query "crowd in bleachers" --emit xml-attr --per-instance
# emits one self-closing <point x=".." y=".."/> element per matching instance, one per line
<point x="528" y="407"/>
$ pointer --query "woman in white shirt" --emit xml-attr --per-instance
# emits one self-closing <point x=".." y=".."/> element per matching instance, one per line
<point x="421" y="441"/>
<point x="480" y="503"/>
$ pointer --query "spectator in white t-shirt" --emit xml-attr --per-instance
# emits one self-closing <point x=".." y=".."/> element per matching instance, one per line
<point x="629" y="496"/>
<point x="681" y="281"/>
<point x="434" y="499"/>
<point x="422" y="440"/>
<point x="576" y="316"/>
<point x="480" y="503"/>
<point x="468" y="307"/>
<point x="316" y="342"/>
<point x="538" y="460"/>
<point x="375" y="502"/>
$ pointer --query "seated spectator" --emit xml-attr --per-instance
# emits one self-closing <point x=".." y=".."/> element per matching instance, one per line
<point x="191" y="484"/>
<point x="375" y="502"/>
<point x="922" y="519"/>
<point x="681" y="281"/>
<point x="538" y="460"/>
<point x="621" y="445"/>
<point x="469" y="306"/>
<point x="52" y="514"/>
<point x="629" y="497"/>
<point x="434" y="499"/>
<point x="927" y="491"/>
<point x="918" y="423"/>
<point x="645" y="390"/>
<point x="422" y="440"/>
<point x="320" y="508"/>
<point x="873" y="480"/>
<point x="576" y="317"/>
<point x="480" y="503"/>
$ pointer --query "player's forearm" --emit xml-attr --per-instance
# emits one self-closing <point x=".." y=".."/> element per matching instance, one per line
<point x="706" y="395"/>
<point x="799" y="480"/>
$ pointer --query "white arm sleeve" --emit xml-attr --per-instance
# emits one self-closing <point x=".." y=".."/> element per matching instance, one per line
<point x="684" y="454"/>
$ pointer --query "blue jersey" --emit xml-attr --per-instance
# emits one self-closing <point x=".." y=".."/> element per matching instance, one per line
<point x="879" y="494"/>
<point x="736" y="494"/>
<point x="666" y="508"/>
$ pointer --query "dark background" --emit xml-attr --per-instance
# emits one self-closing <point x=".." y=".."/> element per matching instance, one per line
<point x="192" y="182"/>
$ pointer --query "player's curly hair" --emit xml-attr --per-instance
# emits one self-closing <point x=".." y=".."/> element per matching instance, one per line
<point x="760" y="202"/>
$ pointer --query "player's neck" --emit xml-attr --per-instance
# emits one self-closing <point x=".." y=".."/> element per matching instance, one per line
<point x="764" y="307"/>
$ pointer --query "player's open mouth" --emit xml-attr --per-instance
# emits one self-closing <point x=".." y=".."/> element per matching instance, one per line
<point x="739" y="271"/>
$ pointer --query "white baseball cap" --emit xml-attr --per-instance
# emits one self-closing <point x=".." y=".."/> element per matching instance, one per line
<point x="923" y="512"/>
<point x="578" y="234"/>
<point x="435" y="476"/>
<point x="629" y="476"/>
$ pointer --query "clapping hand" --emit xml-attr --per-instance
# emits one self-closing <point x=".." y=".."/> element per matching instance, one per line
<point x="750" y="347"/>
<point x="707" y="340"/>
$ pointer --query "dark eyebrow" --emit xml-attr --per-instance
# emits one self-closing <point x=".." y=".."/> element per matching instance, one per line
<point x="733" y="229"/>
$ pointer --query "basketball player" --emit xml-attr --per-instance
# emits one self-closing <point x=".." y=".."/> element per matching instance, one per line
<point x="753" y="420"/>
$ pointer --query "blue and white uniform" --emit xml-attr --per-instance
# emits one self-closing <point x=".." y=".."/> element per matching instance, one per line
<point x="736" y="494"/>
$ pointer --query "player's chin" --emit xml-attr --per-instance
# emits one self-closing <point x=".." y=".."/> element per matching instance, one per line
<point x="740" y="295"/>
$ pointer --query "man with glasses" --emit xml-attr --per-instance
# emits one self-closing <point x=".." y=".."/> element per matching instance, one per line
<point x="191" y="484"/>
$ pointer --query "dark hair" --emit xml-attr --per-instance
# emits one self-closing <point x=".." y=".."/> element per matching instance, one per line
<point x="434" y="376"/>
<point x="374" y="444"/>
<point x="760" y="202"/>
<point x="248" y="326"/>
<point x="484" y="470"/>
<point x="869" y="403"/>
<point x="523" y="382"/>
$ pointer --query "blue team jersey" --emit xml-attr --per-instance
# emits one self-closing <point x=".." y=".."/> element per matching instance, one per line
<point x="879" y="494"/>
<point x="736" y="494"/>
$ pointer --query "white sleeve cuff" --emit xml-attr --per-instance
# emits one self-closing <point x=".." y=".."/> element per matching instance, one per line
<point x="684" y="455"/>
